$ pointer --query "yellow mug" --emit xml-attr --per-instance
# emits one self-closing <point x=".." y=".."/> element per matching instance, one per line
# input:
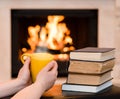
<point x="38" y="61"/>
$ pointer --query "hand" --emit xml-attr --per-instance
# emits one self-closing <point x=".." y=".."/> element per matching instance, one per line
<point x="47" y="76"/>
<point x="44" y="81"/>
<point x="15" y="85"/>
<point x="24" y="73"/>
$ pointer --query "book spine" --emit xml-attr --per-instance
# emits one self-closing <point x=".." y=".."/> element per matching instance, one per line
<point x="90" y="67"/>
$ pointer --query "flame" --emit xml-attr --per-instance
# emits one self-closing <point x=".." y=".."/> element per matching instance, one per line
<point x="54" y="35"/>
<point x="33" y="36"/>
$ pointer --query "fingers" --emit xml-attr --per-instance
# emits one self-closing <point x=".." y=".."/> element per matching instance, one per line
<point x="27" y="62"/>
<point x="52" y="66"/>
<point x="53" y="70"/>
<point x="55" y="66"/>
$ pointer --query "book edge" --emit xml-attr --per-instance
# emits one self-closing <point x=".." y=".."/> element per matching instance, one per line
<point x="94" y="50"/>
<point x="108" y="83"/>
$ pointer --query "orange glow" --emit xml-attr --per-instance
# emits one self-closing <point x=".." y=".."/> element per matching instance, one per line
<point x="33" y="36"/>
<point x="54" y="35"/>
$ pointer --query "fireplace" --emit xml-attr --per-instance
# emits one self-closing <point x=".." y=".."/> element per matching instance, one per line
<point x="108" y="32"/>
<point x="81" y="26"/>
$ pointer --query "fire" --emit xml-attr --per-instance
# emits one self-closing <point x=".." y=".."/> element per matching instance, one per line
<point x="54" y="35"/>
<point x="33" y="36"/>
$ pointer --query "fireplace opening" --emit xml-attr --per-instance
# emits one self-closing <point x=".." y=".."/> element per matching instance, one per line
<point x="33" y="31"/>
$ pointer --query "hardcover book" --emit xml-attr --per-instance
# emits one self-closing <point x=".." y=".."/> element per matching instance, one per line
<point x="88" y="79"/>
<point x="89" y="67"/>
<point x="93" y="54"/>
<point x="86" y="88"/>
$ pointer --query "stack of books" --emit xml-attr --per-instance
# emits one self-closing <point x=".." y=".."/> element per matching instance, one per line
<point x="90" y="69"/>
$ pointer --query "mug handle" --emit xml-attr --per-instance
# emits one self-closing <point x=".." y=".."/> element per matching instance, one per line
<point x="24" y="56"/>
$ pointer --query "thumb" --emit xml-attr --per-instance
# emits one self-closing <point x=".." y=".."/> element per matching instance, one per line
<point x="27" y="63"/>
<point x="50" y="66"/>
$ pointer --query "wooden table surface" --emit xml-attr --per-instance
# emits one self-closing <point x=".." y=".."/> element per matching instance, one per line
<point x="56" y="93"/>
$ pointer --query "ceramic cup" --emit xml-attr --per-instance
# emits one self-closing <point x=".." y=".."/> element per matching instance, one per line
<point x="38" y="61"/>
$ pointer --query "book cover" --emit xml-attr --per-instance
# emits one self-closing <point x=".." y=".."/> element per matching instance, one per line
<point x="86" y="88"/>
<point x="88" y="79"/>
<point x="93" y="54"/>
<point x="94" y="50"/>
<point x="89" y="67"/>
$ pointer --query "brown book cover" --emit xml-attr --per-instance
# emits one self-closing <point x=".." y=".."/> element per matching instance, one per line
<point x="89" y="67"/>
<point x="87" y="79"/>
<point x="93" y="54"/>
<point x="94" y="50"/>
